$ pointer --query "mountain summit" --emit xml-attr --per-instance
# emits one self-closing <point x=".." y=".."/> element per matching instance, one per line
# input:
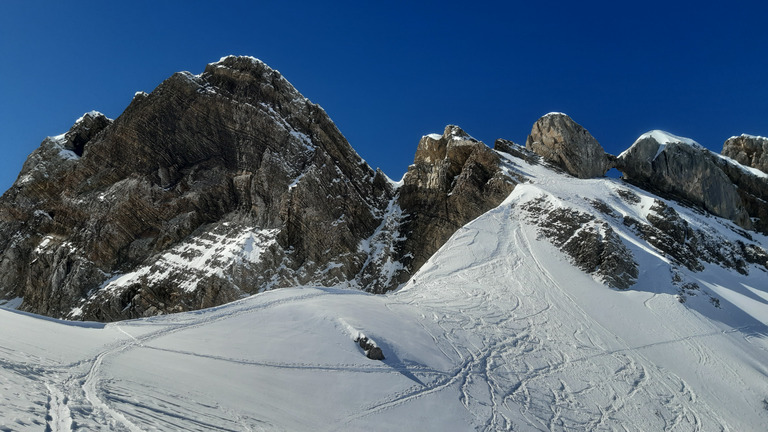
<point x="520" y="289"/>
<point x="220" y="185"/>
<point x="228" y="183"/>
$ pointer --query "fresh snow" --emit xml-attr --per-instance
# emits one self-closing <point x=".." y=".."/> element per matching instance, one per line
<point x="497" y="331"/>
<point x="434" y="136"/>
<point x="664" y="139"/>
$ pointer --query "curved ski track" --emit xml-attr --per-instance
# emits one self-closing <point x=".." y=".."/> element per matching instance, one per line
<point x="513" y="363"/>
<point x="514" y="366"/>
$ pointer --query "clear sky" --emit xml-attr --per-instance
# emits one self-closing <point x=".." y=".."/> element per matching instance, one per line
<point x="389" y="72"/>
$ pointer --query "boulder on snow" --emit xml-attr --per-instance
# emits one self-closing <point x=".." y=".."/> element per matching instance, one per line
<point x="372" y="351"/>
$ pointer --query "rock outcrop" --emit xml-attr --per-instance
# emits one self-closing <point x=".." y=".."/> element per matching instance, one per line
<point x="564" y="143"/>
<point x="690" y="247"/>
<point x="680" y="168"/>
<point x="230" y="182"/>
<point x="232" y="152"/>
<point x="748" y="150"/>
<point x="591" y="243"/>
<point x="219" y="185"/>
<point x="454" y="179"/>
<point x="752" y="188"/>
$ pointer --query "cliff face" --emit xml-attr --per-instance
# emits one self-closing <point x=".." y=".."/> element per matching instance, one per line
<point x="233" y="150"/>
<point x="748" y="150"/>
<point x="454" y="179"/>
<point x="566" y="144"/>
<point x="212" y="187"/>
<point x="228" y="183"/>
<point x="683" y="169"/>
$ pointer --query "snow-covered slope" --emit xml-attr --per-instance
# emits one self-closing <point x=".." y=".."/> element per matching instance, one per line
<point x="499" y="330"/>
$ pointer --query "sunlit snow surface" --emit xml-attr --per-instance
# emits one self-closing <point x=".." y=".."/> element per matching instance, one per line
<point x="496" y="332"/>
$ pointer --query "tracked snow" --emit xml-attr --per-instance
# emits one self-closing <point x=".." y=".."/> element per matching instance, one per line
<point x="497" y="331"/>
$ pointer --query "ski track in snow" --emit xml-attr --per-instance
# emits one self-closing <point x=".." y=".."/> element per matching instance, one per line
<point x="65" y="386"/>
<point x="495" y="375"/>
<point x="519" y="346"/>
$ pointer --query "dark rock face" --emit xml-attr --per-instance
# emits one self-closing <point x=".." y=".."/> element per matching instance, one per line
<point x="564" y="143"/>
<point x="752" y="189"/>
<point x="454" y="179"/>
<point x="220" y="185"/>
<point x="682" y="170"/>
<point x="592" y="244"/>
<point x="748" y="150"/>
<point x="236" y="144"/>
<point x="689" y="247"/>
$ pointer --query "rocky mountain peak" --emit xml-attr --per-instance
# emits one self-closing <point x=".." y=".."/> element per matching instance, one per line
<point x="748" y="150"/>
<point x="684" y="170"/>
<point x="441" y="157"/>
<point x="566" y="144"/>
<point x="219" y="185"/>
<point x="108" y="220"/>
<point x="454" y="179"/>
<point x="227" y="183"/>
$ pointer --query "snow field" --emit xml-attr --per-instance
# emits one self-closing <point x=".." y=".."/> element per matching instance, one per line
<point x="498" y="331"/>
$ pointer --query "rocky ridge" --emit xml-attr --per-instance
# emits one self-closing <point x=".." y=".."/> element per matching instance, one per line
<point x="230" y="182"/>
<point x="454" y="179"/>
<point x="212" y="187"/>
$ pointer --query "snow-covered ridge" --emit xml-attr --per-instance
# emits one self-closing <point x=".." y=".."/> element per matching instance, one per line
<point x="91" y="114"/>
<point x="554" y="114"/>
<point x="663" y="138"/>
<point x="252" y="59"/>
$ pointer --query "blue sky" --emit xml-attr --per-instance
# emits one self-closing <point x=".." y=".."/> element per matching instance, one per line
<point x="389" y="72"/>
